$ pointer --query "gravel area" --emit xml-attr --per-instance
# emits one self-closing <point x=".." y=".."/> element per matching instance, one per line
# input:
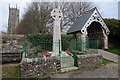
<point x="107" y="71"/>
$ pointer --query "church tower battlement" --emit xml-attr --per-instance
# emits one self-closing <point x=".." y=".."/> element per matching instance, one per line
<point x="13" y="19"/>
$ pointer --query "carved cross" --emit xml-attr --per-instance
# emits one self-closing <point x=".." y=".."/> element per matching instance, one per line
<point x="56" y="14"/>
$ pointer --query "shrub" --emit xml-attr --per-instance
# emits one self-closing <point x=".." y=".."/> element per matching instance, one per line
<point x="39" y="43"/>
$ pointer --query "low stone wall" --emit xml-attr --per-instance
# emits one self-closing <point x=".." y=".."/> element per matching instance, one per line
<point x="52" y="65"/>
<point x="89" y="60"/>
<point x="40" y="68"/>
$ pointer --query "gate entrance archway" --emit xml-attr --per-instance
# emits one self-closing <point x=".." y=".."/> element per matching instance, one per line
<point x="95" y="32"/>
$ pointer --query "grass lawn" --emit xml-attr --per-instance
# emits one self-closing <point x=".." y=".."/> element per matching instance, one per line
<point x="114" y="50"/>
<point x="106" y="61"/>
<point x="11" y="71"/>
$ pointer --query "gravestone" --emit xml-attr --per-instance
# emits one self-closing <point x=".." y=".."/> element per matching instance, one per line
<point x="56" y="15"/>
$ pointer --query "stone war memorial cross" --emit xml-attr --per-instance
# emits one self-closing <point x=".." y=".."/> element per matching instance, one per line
<point x="56" y="15"/>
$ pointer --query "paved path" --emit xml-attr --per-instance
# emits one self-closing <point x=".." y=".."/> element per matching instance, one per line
<point x="108" y="55"/>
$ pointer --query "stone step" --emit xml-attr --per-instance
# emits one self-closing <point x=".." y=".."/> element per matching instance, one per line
<point x="69" y="69"/>
<point x="67" y="62"/>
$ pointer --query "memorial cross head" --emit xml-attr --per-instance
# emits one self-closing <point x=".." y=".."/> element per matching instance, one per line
<point x="56" y="14"/>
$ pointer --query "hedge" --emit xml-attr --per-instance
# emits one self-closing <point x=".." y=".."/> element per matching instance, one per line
<point x="39" y="43"/>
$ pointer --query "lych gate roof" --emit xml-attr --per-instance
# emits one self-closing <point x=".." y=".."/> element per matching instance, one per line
<point x="82" y="20"/>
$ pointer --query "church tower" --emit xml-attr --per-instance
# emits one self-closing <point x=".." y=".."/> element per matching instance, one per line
<point x="13" y="19"/>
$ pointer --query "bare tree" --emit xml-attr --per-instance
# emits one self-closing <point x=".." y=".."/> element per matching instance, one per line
<point x="73" y="10"/>
<point x="37" y="17"/>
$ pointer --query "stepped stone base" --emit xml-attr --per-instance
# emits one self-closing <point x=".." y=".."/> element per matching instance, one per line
<point x="69" y="69"/>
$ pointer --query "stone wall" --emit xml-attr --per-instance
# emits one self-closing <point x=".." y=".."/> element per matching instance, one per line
<point x="12" y="43"/>
<point x="40" y="68"/>
<point x="89" y="60"/>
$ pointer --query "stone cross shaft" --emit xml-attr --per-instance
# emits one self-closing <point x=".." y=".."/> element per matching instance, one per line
<point x="56" y="15"/>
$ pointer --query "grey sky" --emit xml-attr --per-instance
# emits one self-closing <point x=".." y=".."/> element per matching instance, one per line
<point x="119" y="10"/>
<point x="107" y="8"/>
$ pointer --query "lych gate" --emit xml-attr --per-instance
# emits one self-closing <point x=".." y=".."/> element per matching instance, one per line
<point x="95" y="32"/>
<point x="90" y="26"/>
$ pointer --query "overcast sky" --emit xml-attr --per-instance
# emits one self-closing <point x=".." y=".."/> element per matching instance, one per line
<point x="107" y="8"/>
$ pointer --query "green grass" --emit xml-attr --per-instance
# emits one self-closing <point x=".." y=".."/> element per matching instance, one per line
<point x="15" y="79"/>
<point x="11" y="71"/>
<point x="106" y="61"/>
<point x="114" y="50"/>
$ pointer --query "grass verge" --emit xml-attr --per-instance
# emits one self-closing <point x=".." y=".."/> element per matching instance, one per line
<point x="11" y="71"/>
<point x="106" y="61"/>
<point x="114" y="50"/>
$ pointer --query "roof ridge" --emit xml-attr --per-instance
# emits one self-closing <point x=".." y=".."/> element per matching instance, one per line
<point x="81" y="20"/>
<point x="92" y="9"/>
